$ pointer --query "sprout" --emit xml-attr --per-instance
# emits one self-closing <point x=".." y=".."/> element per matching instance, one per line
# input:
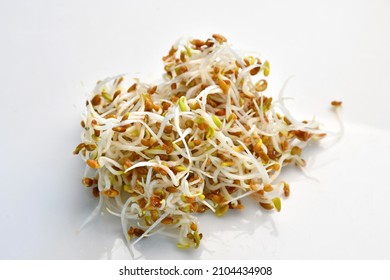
<point x="157" y="155"/>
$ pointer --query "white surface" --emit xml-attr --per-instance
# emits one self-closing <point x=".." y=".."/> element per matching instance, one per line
<point x="52" y="52"/>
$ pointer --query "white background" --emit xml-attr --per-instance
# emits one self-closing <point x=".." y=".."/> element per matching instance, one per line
<point x="52" y="53"/>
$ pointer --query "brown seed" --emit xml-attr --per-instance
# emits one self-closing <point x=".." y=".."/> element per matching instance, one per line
<point x="138" y="232"/>
<point x="165" y="105"/>
<point x="301" y="135"/>
<point x="296" y="151"/>
<point x="110" y="116"/>
<point x="127" y="164"/>
<point x="220" y="112"/>
<point x="231" y="189"/>
<point x="287" y="121"/>
<point x="286" y="189"/>
<point x="119" y="129"/>
<point x="95" y="192"/>
<point x="197" y="43"/>
<point x="189" y="123"/>
<point x="171" y="189"/>
<point x="260" y="192"/>
<point x="119" y="81"/>
<point x="174" y="98"/>
<point x="125" y="117"/>
<point x="111" y="193"/>
<point x="284" y="145"/>
<point x="189" y="199"/>
<point x="168" y="129"/>
<point x="160" y="193"/>
<point x="173" y="86"/>
<point x="78" y="148"/>
<point x="220" y="39"/>
<point x="168" y="148"/>
<point x="156" y="201"/>
<point x="96" y="100"/>
<point x="209" y="43"/>
<point x="254" y="71"/>
<point x="203" y="126"/>
<point x="167" y="221"/>
<point x="336" y="103"/>
<point x="216" y="198"/>
<point x="170" y="54"/>
<point x="201" y="208"/>
<point x="142" y="170"/>
<point x="247" y="140"/>
<point x="116" y="93"/>
<point x="164" y="157"/>
<point x="88" y="182"/>
<point x="183" y="56"/>
<point x="320" y="135"/>
<point x="148" y="105"/>
<point x="238" y="64"/>
<point x="141" y="202"/>
<point x="152" y="90"/>
<point x="194" y="227"/>
<point x="275" y="166"/>
<point x="224" y="85"/>
<point x="267" y="206"/>
<point x="194" y="105"/>
<point x="133" y="87"/>
<point x="93" y="163"/>
<point x="146" y="142"/>
<point x="261" y="85"/>
<point x="258" y="147"/>
<point x="232" y="117"/>
<point x="268" y="188"/>
<point x="90" y="147"/>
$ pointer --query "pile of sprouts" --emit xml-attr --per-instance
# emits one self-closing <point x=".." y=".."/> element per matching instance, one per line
<point x="201" y="140"/>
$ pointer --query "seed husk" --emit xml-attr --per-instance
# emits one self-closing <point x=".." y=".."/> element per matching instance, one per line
<point x="286" y="189"/>
<point x="93" y="163"/>
<point x="88" y="182"/>
<point x="336" y="103"/>
<point x="266" y="206"/>
<point x="220" y="39"/>
<point x="261" y="85"/>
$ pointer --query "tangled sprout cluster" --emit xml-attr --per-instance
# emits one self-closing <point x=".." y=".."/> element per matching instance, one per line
<point x="199" y="141"/>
